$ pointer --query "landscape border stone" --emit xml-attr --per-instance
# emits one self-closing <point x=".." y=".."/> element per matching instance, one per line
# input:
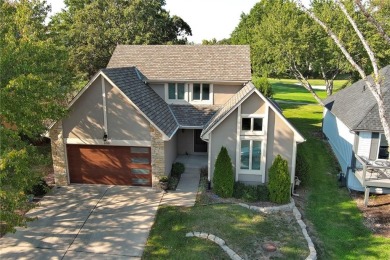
<point x="298" y="216"/>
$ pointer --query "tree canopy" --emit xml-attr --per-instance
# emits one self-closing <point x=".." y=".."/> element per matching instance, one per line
<point x="92" y="29"/>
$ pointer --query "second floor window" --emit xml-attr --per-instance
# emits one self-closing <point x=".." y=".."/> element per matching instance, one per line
<point x="176" y="91"/>
<point x="201" y="92"/>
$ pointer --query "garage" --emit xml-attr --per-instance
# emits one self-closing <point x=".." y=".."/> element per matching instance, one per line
<point x="111" y="165"/>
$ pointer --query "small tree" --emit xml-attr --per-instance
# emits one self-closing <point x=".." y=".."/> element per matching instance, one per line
<point x="279" y="181"/>
<point x="263" y="85"/>
<point x="223" y="179"/>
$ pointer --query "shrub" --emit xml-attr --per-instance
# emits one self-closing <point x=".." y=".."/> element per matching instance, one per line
<point x="250" y="193"/>
<point x="177" y="169"/>
<point x="302" y="168"/>
<point x="279" y="181"/>
<point x="39" y="189"/>
<point x="223" y="179"/>
<point x="263" y="85"/>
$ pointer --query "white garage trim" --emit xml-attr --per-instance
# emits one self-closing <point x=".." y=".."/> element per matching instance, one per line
<point x="111" y="142"/>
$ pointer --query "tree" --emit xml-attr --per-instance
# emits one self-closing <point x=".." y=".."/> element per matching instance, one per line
<point x="223" y="179"/>
<point x="92" y="29"/>
<point x="264" y="86"/>
<point x="33" y="91"/>
<point x="375" y="87"/>
<point x="279" y="185"/>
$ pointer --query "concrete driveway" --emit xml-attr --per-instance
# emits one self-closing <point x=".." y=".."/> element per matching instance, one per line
<point x="82" y="221"/>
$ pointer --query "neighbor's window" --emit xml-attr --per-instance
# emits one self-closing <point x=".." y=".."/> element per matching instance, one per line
<point x="250" y="155"/>
<point x="200" y="91"/>
<point x="383" y="152"/>
<point x="176" y="91"/>
<point x="252" y="124"/>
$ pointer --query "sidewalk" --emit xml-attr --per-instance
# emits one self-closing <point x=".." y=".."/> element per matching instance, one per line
<point x="186" y="191"/>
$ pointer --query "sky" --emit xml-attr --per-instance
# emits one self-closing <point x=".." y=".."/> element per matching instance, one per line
<point x="207" y="18"/>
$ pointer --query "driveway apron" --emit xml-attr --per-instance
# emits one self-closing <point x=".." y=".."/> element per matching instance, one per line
<point x="80" y="221"/>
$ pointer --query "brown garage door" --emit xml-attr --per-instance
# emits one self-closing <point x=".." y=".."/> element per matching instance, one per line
<point x="117" y="165"/>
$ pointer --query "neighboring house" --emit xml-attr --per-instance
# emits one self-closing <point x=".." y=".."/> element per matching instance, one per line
<point x="352" y="125"/>
<point x="152" y="103"/>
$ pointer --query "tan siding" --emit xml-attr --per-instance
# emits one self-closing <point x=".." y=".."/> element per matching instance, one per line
<point x="170" y="150"/>
<point x="85" y="119"/>
<point x="253" y="105"/>
<point x="159" y="89"/>
<point x="124" y="122"/>
<point x="222" y="93"/>
<point x="225" y="134"/>
<point x="283" y="142"/>
<point x="270" y="141"/>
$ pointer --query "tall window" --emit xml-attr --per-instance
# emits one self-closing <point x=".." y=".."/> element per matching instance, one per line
<point x="250" y="155"/>
<point x="176" y="91"/>
<point x="200" y="91"/>
<point x="383" y="152"/>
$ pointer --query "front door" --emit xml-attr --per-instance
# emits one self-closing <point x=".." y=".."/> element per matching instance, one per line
<point x="200" y="146"/>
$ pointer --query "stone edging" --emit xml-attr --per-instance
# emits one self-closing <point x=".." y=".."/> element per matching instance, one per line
<point x="218" y="241"/>
<point x="289" y="207"/>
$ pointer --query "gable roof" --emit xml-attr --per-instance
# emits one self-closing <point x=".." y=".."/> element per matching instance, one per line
<point x="357" y="108"/>
<point x="238" y="99"/>
<point x="186" y="62"/>
<point x="144" y="98"/>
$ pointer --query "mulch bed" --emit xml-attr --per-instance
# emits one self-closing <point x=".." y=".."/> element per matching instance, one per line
<point x="376" y="214"/>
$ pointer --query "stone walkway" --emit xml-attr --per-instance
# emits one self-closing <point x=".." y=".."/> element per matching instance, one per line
<point x="187" y="189"/>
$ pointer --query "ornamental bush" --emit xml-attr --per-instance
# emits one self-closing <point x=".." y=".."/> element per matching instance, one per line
<point x="223" y="180"/>
<point x="302" y="168"/>
<point x="279" y="181"/>
<point x="264" y="86"/>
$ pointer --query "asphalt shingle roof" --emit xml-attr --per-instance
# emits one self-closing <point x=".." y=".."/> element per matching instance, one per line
<point x="357" y="108"/>
<point x="193" y="116"/>
<point x="144" y="97"/>
<point x="229" y="105"/>
<point x="186" y="62"/>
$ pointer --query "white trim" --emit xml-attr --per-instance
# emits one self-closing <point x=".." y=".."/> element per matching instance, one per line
<point x="238" y="151"/>
<point x="293" y="163"/>
<point x="262" y="159"/>
<point x="379" y="146"/>
<point x="213" y="81"/>
<point x="104" y="106"/>
<point x="176" y="101"/>
<point x="66" y="157"/>
<point x="110" y="142"/>
<point x="265" y="133"/>
<point x="201" y="102"/>
<point x="165" y="137"/>
<point x="251" y="117"/>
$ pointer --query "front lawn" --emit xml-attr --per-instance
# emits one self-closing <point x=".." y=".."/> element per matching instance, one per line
<point x="243" y="230"/>
<point x="288" y="90"/>
<point x="338" y="224"/>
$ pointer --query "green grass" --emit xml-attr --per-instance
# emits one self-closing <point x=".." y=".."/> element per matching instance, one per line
<point x="337" y="221"/>
<point x="287" y="90"/>
<point x="243" y="230"/>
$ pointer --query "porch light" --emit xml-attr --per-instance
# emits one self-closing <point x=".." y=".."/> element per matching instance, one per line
<point x="105" y="137"/>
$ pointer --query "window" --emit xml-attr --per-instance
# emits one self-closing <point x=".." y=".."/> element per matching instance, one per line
<point x="252" y="124"/>
<point x="200" y="91"/>
<point x="176" y="91"/>
<point x="250" y="155"/>
<point x="383" y="152"/>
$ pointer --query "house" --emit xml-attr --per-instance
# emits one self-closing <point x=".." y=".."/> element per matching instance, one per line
<point x="352" y="125"/>
<point x="154" y="103"/>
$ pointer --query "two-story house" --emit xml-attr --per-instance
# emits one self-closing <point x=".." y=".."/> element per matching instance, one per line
<point x="154" y="103"/>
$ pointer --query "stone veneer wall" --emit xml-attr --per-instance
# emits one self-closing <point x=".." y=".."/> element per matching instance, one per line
<point x="58" y="155"/>
<point x="157" y="154"/>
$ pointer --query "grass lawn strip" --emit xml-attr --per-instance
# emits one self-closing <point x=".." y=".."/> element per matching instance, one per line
<point x="337" y="223"/>
<point x="243" y="230"/>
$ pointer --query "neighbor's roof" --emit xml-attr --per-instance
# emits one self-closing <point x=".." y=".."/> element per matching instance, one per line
<point x="193" y="116"/>
<point x="143" y="97"/>
<point x="186" y="62"/>
<point x="357" y="108"/>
